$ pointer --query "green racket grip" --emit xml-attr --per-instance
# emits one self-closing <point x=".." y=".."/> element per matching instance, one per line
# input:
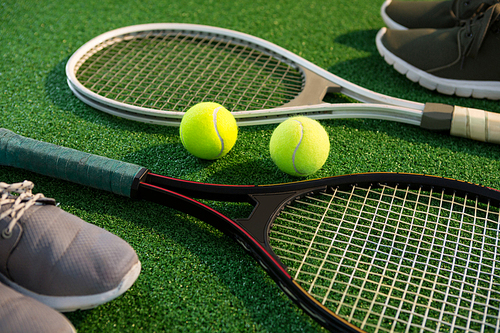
<point x="69" y="164"/>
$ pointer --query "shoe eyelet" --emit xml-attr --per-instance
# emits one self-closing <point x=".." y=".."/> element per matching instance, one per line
<point x="6" y="234"/>
<point x="466" y="3"/>
<point x="469" y="35"/>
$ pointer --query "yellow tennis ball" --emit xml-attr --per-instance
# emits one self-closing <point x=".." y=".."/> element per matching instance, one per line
<point x="208" y="130"/>
<point x="299" y="146"/>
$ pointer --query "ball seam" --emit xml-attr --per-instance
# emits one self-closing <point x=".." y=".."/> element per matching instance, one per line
<point x="217" y="131"/>
<point x="297" y="147"/>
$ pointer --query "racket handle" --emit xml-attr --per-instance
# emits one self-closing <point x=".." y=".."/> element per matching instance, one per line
<point x="476" y="124"/>
<point x="68" y="164"/>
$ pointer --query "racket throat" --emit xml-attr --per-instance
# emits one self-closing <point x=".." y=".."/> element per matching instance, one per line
<point x="259" y="222"/>
<point x="314" y="90"/>
<point x="267" y="207"/>
<point x="437" y="117"/>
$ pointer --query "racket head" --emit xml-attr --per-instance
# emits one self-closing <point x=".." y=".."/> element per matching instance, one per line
<point x="396" y="252"/>
<point x="154" y="72"/>
<point x="160" y="70"/>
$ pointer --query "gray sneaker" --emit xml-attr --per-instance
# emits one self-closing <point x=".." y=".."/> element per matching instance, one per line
<point x="57" y="258"/>
<point x="21" y="314"/>
<point x="402" y="15"/>
<point x="464" y="60"/>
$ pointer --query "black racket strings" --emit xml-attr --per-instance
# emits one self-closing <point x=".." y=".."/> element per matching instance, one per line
<point x="387" y="258"/>
<point x="172" y="71"/>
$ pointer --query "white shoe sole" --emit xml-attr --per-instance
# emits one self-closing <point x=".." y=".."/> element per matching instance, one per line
<point x="461" y="88"/>
<point x="73" y="303"/>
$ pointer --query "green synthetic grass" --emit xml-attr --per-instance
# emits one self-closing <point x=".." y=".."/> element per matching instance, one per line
<point x="194" y="278"/>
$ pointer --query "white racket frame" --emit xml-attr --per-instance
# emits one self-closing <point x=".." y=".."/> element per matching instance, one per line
<point x="375" y="105"/>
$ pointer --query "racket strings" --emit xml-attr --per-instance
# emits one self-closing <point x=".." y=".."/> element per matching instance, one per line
<point x="143" y="89"/>
<point x="171" y="71"/>
<point x="394" y="259"/>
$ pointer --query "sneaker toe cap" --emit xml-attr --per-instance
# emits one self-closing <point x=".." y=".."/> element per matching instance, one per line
<point x="62" y="255"/>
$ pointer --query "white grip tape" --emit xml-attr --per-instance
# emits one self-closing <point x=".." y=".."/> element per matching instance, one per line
<point x="476" y="124"/>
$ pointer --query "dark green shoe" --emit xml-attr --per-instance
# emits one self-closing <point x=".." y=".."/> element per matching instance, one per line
<point x="463" y="60"/>
<point x="402" y="15"/>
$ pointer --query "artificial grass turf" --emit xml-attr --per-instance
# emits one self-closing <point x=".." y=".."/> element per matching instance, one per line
<point x="194" y="278"/>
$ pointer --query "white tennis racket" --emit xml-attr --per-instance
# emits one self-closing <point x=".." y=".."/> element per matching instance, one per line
<point x="154" y="72"/>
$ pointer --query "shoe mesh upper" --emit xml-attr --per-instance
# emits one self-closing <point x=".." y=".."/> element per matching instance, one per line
<point x="59" y="254"/>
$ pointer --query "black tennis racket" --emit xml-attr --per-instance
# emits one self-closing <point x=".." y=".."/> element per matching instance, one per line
<point x="154" y="72"/>
<point x="376" y="252"/>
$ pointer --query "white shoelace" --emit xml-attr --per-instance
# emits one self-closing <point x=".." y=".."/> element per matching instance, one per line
<point x="20" y="202"/>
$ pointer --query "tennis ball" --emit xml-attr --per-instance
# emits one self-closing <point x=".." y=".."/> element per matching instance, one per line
<point x="208" y="130"/>
<point x="299" y="146"/>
